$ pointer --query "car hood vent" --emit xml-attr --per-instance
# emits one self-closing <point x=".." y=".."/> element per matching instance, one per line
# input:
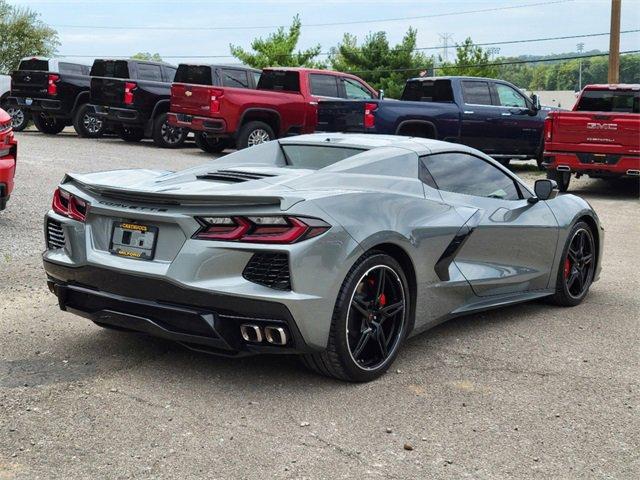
<point x="233" y="176"/>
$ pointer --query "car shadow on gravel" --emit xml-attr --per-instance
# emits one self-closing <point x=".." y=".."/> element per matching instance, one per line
<point x="627" y="188"/>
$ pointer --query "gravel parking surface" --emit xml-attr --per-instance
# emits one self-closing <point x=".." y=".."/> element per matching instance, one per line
<point x="531" y="391"/>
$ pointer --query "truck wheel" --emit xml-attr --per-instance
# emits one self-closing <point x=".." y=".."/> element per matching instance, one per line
<point x="165" y="135"/>
<point x="130" y="134"/>
<point x="561" y="178"/>
<point x="211" y="145"/>
<point x="48" y="125"/>
<point x="86" y="124"/>
<point x="254" y="133"/>
<point x="19" y="117"/>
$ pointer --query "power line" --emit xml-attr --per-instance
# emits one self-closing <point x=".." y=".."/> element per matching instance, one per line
<point x="331" y="24"/>
<point x="507" y="42"/>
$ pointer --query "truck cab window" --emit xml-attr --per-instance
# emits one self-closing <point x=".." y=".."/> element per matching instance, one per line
<point x="234" y="78"/>
<point x="476" y="93"/>
<point x="323" y="85"/>
<point x="428" y="91"/>
<point x="170" y="73"/>
<point x="355" y="90"/>
<point x="508" y="97"/>
<point x="280" y="81"/>
<point x="149" y="72"/>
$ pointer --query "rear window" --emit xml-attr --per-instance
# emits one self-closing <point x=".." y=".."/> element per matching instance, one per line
<point x="74" y="68"/>
<point x="315" y="157"/>
<point x="279" y="80"/>
<point x="428" y="91"/>
<point x="476" y="93"/>
<point x="149" y="72"/>
<point x="34" y="64"/>
<point x="110" y="68"/>
<point x="609" y="101"/>
<point x="235" y="78"/>
<point x="324" y="85"/>
<point x="196" y="74"/>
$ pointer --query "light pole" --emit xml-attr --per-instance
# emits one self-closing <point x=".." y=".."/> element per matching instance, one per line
<point x="580" y="48"/>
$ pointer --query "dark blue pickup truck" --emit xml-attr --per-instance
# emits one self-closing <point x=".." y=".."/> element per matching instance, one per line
<point x="490" y="115"/>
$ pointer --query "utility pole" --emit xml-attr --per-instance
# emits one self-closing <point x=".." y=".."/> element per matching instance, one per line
<point x="444" y="39"/>
<point x="614" y="42"/>
<point x="580" y="48"/>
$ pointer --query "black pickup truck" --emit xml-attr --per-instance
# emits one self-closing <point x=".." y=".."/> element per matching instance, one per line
<point x="132" y="98"/>
<point x="55" y="92"/>
<point x="488" y="114"/>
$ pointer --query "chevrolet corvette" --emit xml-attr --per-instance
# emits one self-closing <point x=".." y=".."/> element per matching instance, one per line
<point x="335" y="247"/>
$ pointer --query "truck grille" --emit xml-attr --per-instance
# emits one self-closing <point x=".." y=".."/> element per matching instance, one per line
<point x="55" y="235"/>
<point x="270" y="270"/>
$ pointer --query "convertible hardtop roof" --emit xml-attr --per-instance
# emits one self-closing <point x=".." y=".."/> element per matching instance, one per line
<point x="421" y="146"/>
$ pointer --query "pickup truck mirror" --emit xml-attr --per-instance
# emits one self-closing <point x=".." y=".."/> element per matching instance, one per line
<point x="544" y="189"/>
<point x="535" y="103"/>
<point x="381" y="94"/>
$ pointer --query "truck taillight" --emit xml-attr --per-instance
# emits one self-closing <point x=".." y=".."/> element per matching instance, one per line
<point x="216" y="95"/>
<point x="548" y="129"/>
<point x="272" y="230"/>
<point x="52" y="87"/>
<point x="369" y="117"/>
<point x="129" y="87"/>
<point x="69" y="205"/>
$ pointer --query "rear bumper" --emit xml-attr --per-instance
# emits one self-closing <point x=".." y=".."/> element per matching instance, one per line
<point x="198" y="320"/>
<point x="198" y="124"/>
<point x="118" y="115"/>
<point x="46" y="105"/>
<point x="592" y="163"/>
<point x="7" y="173"/>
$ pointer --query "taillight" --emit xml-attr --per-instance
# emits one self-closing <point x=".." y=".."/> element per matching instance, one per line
<point x="369" y="117"/>
<point x="69" y="205"/>
<point x="216" y="95"/>
<point x="548" y="129"/>
<point x="280" y="230"/>
<point x="129" y="87"/>
<point x="52" y="87"/>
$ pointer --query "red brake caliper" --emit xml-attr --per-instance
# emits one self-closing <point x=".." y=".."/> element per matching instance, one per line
<point x="567" y="268"/>
<point x="382" y="299"/>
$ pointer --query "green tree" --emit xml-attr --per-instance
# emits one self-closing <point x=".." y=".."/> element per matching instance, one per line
<point x="379" y="64"/>
<point x="152" y="57"/>
<point x="471" y="61"/>
<point x="22" y="33"/>
<point x="277" y="50"/>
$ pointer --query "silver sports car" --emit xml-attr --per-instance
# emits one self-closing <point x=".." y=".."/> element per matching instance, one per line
<point x="336" y="247"/>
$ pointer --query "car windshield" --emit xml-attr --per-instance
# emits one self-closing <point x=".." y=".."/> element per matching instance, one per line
<point x="315" y="157"/>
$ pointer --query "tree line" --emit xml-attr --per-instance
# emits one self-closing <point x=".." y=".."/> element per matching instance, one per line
<point x="382" y="65"/>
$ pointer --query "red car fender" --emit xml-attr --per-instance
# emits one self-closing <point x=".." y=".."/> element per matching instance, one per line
<point x="8" y="156"/>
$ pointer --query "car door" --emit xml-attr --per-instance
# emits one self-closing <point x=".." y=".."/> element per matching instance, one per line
<point x="478" y="114"/>
<point x="520" y="131"/>
<point x="512" y="243"/>
<point x="323" y="85"/>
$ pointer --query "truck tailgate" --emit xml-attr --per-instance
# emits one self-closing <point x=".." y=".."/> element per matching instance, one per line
<point x="107" y="91"/>
<point x="29" y="83"/>
<point x="191" y="99"/>
<point x="604" y="129"/>
<point x="341" y="116"/>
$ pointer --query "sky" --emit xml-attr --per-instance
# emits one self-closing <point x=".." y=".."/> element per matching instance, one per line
<point x="238" y="22"/>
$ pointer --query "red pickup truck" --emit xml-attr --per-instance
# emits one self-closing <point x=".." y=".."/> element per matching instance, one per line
<point x="284" y="103"/>
<point x="599" y="138"/>
<point x="8" y="157"/>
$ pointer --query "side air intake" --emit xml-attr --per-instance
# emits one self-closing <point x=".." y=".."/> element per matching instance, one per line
<point x="232" y="176"/>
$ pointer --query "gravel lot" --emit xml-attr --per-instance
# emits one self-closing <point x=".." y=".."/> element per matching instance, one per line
<point x="531" y="391"/>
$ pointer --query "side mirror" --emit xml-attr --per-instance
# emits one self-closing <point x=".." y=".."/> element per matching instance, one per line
<point x="381" y="94"/>
<point x="535" y="103"/>
<point x="544" y="189"/>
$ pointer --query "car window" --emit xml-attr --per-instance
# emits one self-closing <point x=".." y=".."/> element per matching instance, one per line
<point x="470" y="175"/>
<point x="149" y="72"/>
<point x="256" y="77"/>
<point x="355" y="90"/>
<point x="196" y="74"/>
<point x="170" y="73"/>
<point x="323" y="85"/>
<point x="34" y="64"/>
<point x="428" y="91"/>
<point x="509" y="97"/>
<point x="280" y="81"/>
<point x="110" y="68"/>
<point x="73" y="68"/>
<point x="234" y="78"/>
<point x="315" y="157"/>
<point x="609" y="101"/>
<point x="476" y="93"/>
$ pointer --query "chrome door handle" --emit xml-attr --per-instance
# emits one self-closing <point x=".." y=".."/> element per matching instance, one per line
<point x="468" y="112"/>
<point x="505" y="114"/>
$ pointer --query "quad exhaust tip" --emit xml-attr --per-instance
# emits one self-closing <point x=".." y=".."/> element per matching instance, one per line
<point x="563" y="168"/>
<point x="272" y="334"/>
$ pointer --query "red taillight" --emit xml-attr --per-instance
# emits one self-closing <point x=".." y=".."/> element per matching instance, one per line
<point x="369" y="117"/>
<point x="69" y="205"/>
<point x="52" y="87"/>
<point x="280" y="230"/>
<point x="216" y="95"/>
<point x="548" y="129"/>
<point x="129" y="87"/>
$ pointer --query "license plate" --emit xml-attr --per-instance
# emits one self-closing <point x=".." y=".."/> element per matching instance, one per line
<point x="133" y="240"/>
<point x="28" y="101"/>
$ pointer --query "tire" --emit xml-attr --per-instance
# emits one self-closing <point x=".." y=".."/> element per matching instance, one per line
<point x="86" y="124"/>
<point x="19" y="118"/>
<point x="254" y="133"/>
<point x="575" y="272"/>
<point x="130" y="134"/>
<point x="165" y="135"/>
<point x="562" y="179"/>
<point x="337" y="360"/>
<point x="48" y="125"/>
<point x="210" y="145"/>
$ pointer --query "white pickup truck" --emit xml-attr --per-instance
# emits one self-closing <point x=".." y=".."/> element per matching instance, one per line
<point x="20" y="118"/>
